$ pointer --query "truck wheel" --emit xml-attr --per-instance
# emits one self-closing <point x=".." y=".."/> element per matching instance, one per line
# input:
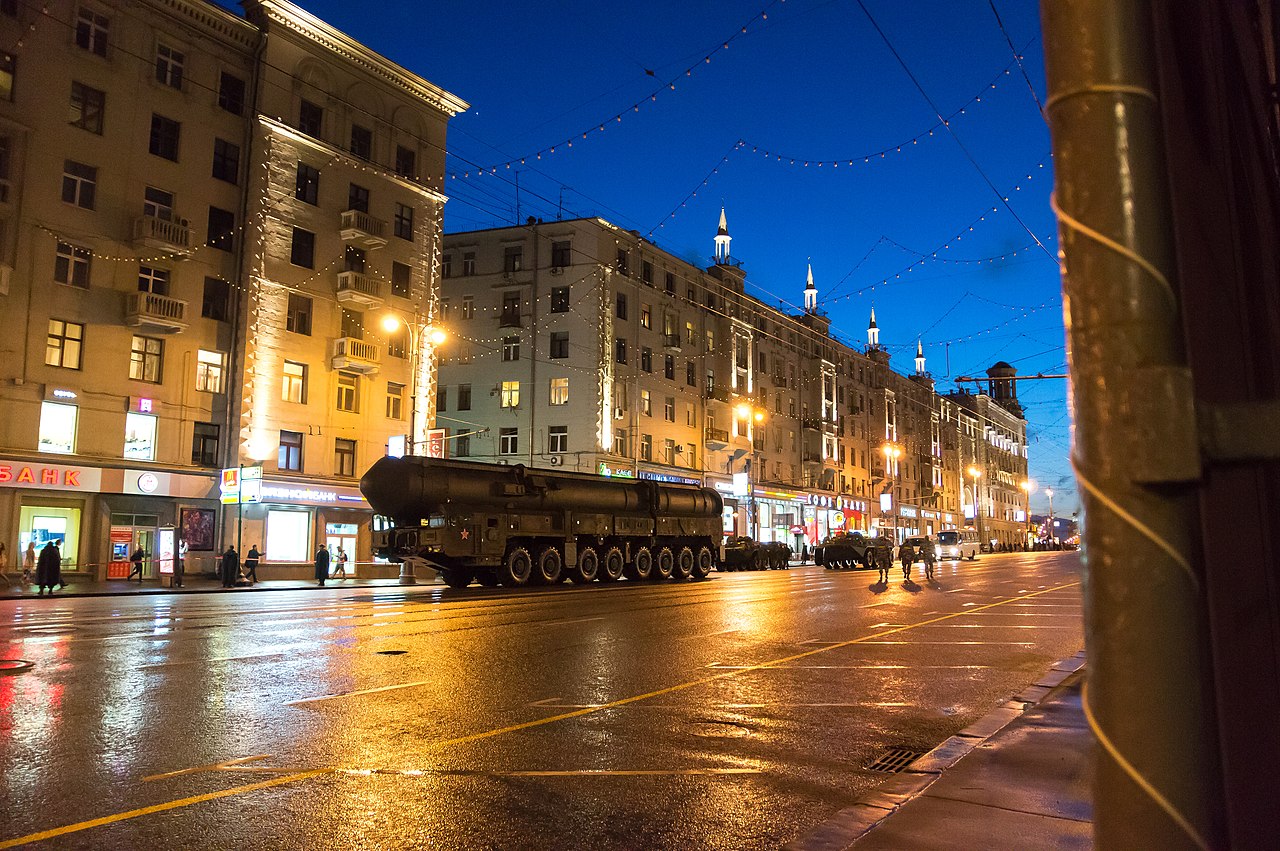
<point x="588" y="566"/>
<point x="704" y="562"/>
<point x="516" y="568"/>
<point x="487" y="578"/>
<point x="664" y="565"/>
<point x="612" y="568"/>
<point x="641" y="564"/>
<point x="549" y="566"/>
<point x="684" y="564"/>
<point x="456" y="577"/>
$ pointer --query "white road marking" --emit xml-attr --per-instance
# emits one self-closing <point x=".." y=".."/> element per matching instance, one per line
<point x="357" y="693"/>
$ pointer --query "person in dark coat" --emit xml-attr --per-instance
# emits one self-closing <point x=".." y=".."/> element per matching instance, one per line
<point x="251" y="564"/>
<point x="230" y="568"/>
<point x="48" y="568"/>
<point x="138" y="555"/>
<point x="322" y="566"/>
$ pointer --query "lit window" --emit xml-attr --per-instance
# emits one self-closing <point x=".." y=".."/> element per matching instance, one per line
<point x="511" y="394"/>
<point x="646" y="447"/>
<point x="646" y="316"/>
<point x="145" y="356"/>
<point x="294" y="388"/>
<point x="58" y="428"/>
<point x="344" y="457"/>
<point x="348" y="392"/>
<point x="139" y="437"/>
<point x="559" y="391"/>
<point x="209" y="371"/>
<point x="395" y="401"/>
<point x="62" y="347"/>
<point x="290" y="454"/>
<point x="646" y="403"/>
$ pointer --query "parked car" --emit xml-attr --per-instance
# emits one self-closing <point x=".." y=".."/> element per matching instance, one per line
<point x="742" y="552"/>
<point x="956" y="544"/>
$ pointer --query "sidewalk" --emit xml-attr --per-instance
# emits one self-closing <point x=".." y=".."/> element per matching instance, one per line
<point x="197" y="585"/>
<point x="1019" y="778"/>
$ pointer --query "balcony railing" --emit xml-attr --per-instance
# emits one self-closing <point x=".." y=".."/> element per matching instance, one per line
<point x="720" y="394"/>
<point x="779" y="381"/>
<point x="360" y="290"/>
<point x="671" y="341"/>
<point x="156" y="312"/>
<point x="812" y="458"/>
<point x="509" y="319"/>
<point x="356" y="355"/>
<point x="167" y="235"/>
<point x="717" y="436"/>
<point x="812" y="423"/>
<point x="361" y="229"/>
<point x="757" y="444"/>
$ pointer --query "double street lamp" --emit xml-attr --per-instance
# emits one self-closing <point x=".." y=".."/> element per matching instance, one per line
<point x="747" y="413"/>
<point x="892" y="452"/>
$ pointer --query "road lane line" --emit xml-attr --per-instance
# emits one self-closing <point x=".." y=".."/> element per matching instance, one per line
<point x="213" y="767"/>
<point x="355" y="693"/>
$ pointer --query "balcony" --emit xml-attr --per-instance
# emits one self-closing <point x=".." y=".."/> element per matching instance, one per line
<point x="812" y="458"/>
<point x="172" y="237"/>
<point x="509" y="319"/>
<point x="156" y="313"/>
<point x="362" y="230"/>
<point x="757" y="444"/>
<point x="812" y="423"/>
<point x="356" y="355"/>
<point x="779" y="381"/>
<point x="720" y="394"/>
<point x="359" y="290"/>
<point x="671" y="342"/>
<point x="717" y="438"/>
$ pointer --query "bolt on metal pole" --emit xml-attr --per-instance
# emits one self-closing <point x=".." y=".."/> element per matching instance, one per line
<point x="1146" y="696"/>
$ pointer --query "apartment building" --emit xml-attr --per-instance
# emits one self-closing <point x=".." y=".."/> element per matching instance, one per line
<point x="578" y="344"/>
<point x="203" y="218"/>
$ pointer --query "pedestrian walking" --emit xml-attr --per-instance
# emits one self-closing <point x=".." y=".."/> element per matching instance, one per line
<point x="180" y="566"/>
<point x="138" y="555"/>
<point x="322" y="566"/>
<point x="230" y="567"/>
<point x="907" y="554"/>
<point x="29" y="564"/>
<point x="251" y="564"/>
<point x="4" y="565"/>
<point x="804" y="553"/>
<point x="342" y="563"/>
<point x="930" y="558"/>
<point x="48" y="568"/>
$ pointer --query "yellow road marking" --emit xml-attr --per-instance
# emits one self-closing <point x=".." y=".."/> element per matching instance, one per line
<point x="475" y="737"/>
<point x="217" y="766"/>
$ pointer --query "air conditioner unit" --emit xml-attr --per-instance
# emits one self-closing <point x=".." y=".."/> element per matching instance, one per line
<point x="556" y="460"/>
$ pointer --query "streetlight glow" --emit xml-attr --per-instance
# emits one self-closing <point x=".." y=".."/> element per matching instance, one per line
<point x="437" y="336"/>
<point x="390" y="323"/>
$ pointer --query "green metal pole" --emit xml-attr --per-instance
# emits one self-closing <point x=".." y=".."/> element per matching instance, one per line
<point x="1146" y="695"/>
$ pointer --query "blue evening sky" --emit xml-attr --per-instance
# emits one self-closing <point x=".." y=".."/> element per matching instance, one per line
<point x="811" y="80"/>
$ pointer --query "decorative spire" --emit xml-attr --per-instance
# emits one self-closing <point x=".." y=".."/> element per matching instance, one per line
<point x="722" y="239"/>
<point x="919" y="357"/>
<point x="810" y="293"/>
<point x="873" y="333"/>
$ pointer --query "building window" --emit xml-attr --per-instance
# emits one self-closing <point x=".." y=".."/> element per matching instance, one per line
<point x="646" y="403"/>
<point x="293" y="388"/>
<point x="164" y="137"/>
<point x="669" y="367"/>
<point x="446" y="265"/>
<point x="298" y="318"/>
<point x="464" y="397"/>
<point x="512" y="257"/>
<point x="401" y="278"/>
<point x="217" y="295"/>
<point x="353" y="259"/>
<point x="398" y="343"/>
<point x="169" y="66"/>
<point x="558" y="439"/>
<point x="620" y="441"/>
<point x="689" y="419"/>
<point x="669" y="409"/>
<point x="204" y="445"/>
<point x="669" y="450"/>
<point x="79" y="184"/>
<point x="139" y="437"/>
<point x="621" y="264"/>
<point x="646" y="272"/>
<point x="157" y="203"/>
<point x="352" y="325"/>
<point x="153" y="280"/>
<point x="88" y="106"/>
<point x="306" y="186"/>
<point x="231" y="93"/>
<point x="290" y="455"/>
<point x="646" y="447"/>
<point x="561" y="255"/>
<point x="71" y="265"/>
<point x="357" y="198"/>
<point x="468" y="263"/>
<point x="468" y="307"/>
<point x="310" y="118"/>
<point x="91" y="31"/>
<point x="646" y="316"/>
<point x="691" y="455"/>
<point x="406" y="162"/>
<point x="209" y="366"/>
<point x="145" y="356"/>
<point x="462" y="446"/>
<point x="559" y="299"/>
<point x="226" y="161"/>
<point x="508" y="441"/>
<point x="302" y="252"/>
<point x="511" y="348"/>
<point x="559" y="344"/>
<point x="510" y="394"/>
<point x="361" y="141"/>
<point x="559" y="391"/>
<point x="620" y="350"/>
<point x="442" y="398"/>
<point x="404" y="222"/>
<point x="58" y="428"/>
<point x="510" y="316"/>
<point x="670" y="281"/>
<point x="344" y="458"/>
<point x="64" y="343"/>
<point x="222" y="227"/>
<point x="395" y="401"/>
<point x="646" y="359"/>
<point x="622" y="306"/>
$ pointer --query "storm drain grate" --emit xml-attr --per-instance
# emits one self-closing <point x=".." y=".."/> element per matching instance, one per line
<point x="391" y="652"/>
<point x="894" y="760"/>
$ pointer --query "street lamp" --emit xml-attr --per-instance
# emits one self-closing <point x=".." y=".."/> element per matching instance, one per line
<point x="977" y="504"/>
<point x="423" y="341"/>
<point x="746" y="412"/>
<point x="1052" y="538"/>
<point x="1028" y="485"/>
<point x="892" y="452"/>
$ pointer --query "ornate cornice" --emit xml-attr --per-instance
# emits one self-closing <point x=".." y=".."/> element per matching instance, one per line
<point x="213" y="20"/>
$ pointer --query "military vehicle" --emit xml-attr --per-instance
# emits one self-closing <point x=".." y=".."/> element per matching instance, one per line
<point x="742" y="552"/>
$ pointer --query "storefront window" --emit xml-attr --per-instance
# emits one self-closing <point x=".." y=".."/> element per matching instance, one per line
<point x="289" y="535"/>
<point x="40" y="524"/>
<point x="139" y="437"/>
<point x="58" y="428"/>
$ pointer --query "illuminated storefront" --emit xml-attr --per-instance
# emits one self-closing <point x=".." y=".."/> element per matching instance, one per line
<point x="296" y="518"/>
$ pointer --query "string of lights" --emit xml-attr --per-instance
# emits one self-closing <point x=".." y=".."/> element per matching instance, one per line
<point x="694" y="193"/>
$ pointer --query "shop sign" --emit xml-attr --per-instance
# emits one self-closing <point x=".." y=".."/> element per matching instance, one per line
<point x="142" y="405"/>
<point x="121" y="545"/>
<point x="241" y="484"/>
<point x="50" y="476"/>
<point x="821" y="500"/>
<point x="668" y="477"/>
<point x="907" y="512"/>
<point x="723" y="487"/>
<point x="797" y="530"/>
<point x="930" y="514"/>
<point x="741" y="484"/>
<point x="279" y="492"/>
<point x="616" y="472"/>
<point x="435" y="443"/>
<point x="166" y="549"/>
<point x="886" y="502"/>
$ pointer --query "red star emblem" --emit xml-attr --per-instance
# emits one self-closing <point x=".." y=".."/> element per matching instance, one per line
<point x="466" y="533"/>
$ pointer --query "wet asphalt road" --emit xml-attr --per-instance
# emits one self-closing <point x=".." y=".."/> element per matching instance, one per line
<point x="735" y="713"/>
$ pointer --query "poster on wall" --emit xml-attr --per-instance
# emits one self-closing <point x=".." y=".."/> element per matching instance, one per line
<point x="197" y="529"/>
<point x="166" y="550"/>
